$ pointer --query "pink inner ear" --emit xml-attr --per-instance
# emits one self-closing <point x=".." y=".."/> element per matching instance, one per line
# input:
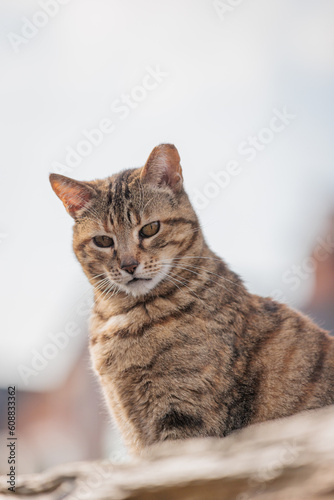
<point x="73" y="196"/>
<point x="77" y="199"/>
<point x="163" y="167"/>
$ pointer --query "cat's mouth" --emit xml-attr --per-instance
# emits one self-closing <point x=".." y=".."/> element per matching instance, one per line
<point x="136" y="280"/>
<point x="140" y="286"/>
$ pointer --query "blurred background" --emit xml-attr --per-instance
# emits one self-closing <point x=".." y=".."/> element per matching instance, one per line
<point x="243" y="88"/>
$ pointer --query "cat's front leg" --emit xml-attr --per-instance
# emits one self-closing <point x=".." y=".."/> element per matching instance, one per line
<point x="176" y="423"/>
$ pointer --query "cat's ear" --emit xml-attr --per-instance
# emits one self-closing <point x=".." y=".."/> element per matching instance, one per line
<point x="163" y="168"/>
<point x="75" y="195"/>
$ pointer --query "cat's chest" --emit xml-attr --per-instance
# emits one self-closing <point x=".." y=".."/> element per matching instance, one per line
<point x="121" y="342"/>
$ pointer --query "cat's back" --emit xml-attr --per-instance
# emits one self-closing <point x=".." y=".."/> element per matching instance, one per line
<point x="296" y="358"/>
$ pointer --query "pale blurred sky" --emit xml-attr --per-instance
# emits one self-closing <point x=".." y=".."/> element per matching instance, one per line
<point x="225" y="78"/>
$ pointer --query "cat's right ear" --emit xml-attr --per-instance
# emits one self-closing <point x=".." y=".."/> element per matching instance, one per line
<point x="163" y="168"/>
<point x="75" y="195"/>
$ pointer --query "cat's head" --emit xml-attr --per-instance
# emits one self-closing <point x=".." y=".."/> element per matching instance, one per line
<point x="131" y="227"/>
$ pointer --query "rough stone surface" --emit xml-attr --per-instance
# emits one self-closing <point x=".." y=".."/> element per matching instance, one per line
<point x="291" y="459"/>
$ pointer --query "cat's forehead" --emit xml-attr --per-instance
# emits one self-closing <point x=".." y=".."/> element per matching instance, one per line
<point x="124" y="185"/>
<point x="126" y="200"/>
<point x="121" y="195"/>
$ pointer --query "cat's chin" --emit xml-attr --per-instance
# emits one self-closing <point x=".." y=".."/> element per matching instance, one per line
<point x="138" y="287"/>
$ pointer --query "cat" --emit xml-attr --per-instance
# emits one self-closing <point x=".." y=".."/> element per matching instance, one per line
<point x="181" y="348"/>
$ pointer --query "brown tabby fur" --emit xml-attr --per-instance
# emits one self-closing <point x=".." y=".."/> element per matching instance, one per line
<point x="197" y="355"/>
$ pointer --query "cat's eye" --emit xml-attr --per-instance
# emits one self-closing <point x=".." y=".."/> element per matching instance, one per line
<point x="103" y="241"/>
<point x="150" y="229"/>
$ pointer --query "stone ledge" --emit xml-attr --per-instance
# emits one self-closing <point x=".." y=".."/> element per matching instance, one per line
<point x="290" y="459"/>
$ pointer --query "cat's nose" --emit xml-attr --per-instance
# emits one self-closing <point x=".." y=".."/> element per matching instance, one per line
<point x="129" y="265"/>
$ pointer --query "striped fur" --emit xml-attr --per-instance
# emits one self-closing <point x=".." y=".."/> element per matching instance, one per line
<point x="196" y="354"/>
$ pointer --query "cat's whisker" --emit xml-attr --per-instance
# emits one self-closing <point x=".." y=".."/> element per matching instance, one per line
<point x="183" y="284"/>
<point x="197" y="257"/>
<point x="215" y="274"/>
<point x="99" y="281"/>
<point x="104" y="294"/>
<point x="99" y="295"/>
<point x="115" y="292"/>
<point x="102" y="284"/>
<point x="97" y="275"/>
<point x="167" y="278"/>
<point x="102" y="279"/>
<point x="189" y="269"/>
<point x="188" y="287"/>
<point x="170" y="261"/>
<point x="112" y="292"/>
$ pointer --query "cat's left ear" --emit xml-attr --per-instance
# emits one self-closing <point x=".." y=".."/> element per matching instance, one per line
<point x="75" y="195"/>
<point x="163" y="168"/>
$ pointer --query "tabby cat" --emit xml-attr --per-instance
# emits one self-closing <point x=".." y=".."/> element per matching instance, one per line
<point x="181" y="348"/>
